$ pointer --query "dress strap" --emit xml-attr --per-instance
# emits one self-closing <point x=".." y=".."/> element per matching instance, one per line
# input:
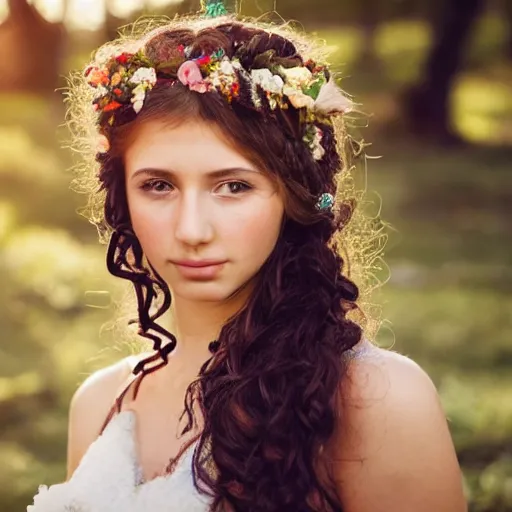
<point x="118" y="403"/>
<point x="139" y="370"/>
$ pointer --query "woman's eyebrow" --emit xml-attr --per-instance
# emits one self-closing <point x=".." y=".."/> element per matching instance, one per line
<point x="169" y="174"/>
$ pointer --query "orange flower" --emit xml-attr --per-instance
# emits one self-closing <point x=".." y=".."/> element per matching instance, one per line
<point x="116" y="79"/>
<point x="113" y="105"/>
<point x="98" y="77"/>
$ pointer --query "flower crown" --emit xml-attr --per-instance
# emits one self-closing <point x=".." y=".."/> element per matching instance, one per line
<point x="124" y="80"/>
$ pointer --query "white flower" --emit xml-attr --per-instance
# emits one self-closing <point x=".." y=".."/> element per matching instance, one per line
<point x="297" y="98"/>
<point x="145" y="78"/>
<point x="297" y="76"/>
<point x="267" y="81"/>
<point x="313" y="138"/>
<point x="226" y="67"/>
<point x="102" y="144"/>
<point x="100" y="91"/>
<point x="140" y="90"/>
<point x="255" y="98"/>
<point x="275" y="85"/>
<point x="236" y="64"/>
<point x="215" y="79"/>
<point x="144" y="75"/>
<point x="295" y="80"/>
<point x="138" y="97"/>
<point x="318" y="152"/>
<point x="223" y="77"/>
<point x="137" y="105"/>
<point x="259" y="76"/>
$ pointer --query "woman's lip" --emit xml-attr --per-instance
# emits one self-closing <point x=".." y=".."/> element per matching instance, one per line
<point x="199" y="270"/>
<point x="198" y="263"/>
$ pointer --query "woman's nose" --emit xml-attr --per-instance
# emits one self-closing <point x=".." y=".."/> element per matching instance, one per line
<point x="193" y="222"/>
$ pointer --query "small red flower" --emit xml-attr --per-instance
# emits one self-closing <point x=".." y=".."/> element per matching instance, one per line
<point x="235" y="89"/>
<point x="203" y="61"/>
<point x="181" y="50"/>
<point x="117" y="91"/>
<point x="123" y="58"/>
<point x="113" y="105"/>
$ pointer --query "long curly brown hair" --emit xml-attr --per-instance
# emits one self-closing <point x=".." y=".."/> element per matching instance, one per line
<point x="268" y="394"/>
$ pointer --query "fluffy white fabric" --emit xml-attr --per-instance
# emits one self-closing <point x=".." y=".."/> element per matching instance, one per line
<point x="108" y="480"/>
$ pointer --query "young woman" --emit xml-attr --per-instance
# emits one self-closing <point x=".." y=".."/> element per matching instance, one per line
<point x="221" y="156"/>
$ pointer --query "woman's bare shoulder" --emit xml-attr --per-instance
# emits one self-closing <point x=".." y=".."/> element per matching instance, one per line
<point x="371" y="371"/>
<point x="90" y="405"/>
<point x="392" y="448"/>
<point x="383" y="382"/>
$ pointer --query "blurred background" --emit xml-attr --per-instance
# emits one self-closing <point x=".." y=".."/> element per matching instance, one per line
<point x="435" y="76"/>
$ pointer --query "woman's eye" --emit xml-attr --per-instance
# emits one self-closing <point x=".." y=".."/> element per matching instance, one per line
<point x="158" y="186"/>
<point x="234" y="187"/>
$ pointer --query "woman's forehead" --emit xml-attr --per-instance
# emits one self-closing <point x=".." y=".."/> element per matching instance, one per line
<point x="188" y="145"/>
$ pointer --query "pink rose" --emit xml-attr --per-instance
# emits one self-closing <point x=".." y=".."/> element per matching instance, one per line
<point x="189" y="74"/>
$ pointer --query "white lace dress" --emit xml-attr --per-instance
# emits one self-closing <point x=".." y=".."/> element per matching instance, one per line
<point x="108" y="479"/>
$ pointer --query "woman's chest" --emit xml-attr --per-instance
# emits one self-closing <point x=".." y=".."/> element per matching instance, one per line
<point x="163" y="433"/>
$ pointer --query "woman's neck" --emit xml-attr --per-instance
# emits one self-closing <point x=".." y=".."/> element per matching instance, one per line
<point x="197" y="324"/>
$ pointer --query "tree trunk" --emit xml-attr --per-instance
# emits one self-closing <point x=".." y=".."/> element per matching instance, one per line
<point x="507" y="8"/>
<point x="112" y="23"/>
<point x="30" y="50"/>
<point x="427" y="104"/>
<point x="66" y="5"/>
<point x="369" y="22"/>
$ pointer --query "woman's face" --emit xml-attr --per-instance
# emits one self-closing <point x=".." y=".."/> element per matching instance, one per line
<point x="206" y="217"/>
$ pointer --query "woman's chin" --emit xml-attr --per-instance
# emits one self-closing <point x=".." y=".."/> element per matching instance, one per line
<point x="201" y="291"/>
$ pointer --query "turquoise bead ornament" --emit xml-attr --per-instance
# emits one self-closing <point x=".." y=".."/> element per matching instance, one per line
<point x="325" y="202"/>
<point x="214" y="8"/>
